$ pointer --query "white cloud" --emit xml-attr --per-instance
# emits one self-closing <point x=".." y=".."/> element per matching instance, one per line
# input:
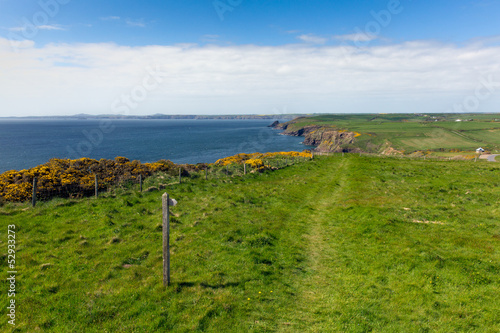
<point x="356" y="37"/>
<point x="39" y="27"/>
<point x="132" y="23"/>
<point x="418" y="76"/>
<point x="482" y="41"/>
<point x="129" y="22"/>
<point x="110" y="18"/>
<point x="17" y="29"/>
<point x="312" y="39"/>
<point x="210" y="38"/>
<point x="50" y="27"/>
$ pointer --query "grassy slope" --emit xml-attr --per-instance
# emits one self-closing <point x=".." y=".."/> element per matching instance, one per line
<point x="410" y="132"/>
<point x="329" y="245"/>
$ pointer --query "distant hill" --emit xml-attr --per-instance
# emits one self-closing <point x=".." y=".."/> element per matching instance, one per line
<point x="166" y="116"/>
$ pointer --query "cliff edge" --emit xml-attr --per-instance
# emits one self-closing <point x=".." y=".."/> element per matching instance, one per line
<point x="325" y="138"/>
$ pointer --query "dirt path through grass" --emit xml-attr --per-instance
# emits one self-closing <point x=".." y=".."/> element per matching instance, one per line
<point x="492" y="158"/>
<point x="314" y="306"/>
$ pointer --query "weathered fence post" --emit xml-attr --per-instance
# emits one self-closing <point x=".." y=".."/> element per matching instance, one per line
<point x="96" y="187"/>
<point x="140" y="182"/>
<point x="180" y="179"/>
<point x="312" y="154"/>
<point x="244" y="168"/>
<point x="33" y="198"/>
<point x="166" y="239"/>
<point x="166" y="203"/>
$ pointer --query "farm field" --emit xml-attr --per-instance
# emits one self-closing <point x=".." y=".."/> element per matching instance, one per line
<point x="410" y="133"/>
<point x="352" y="244"/>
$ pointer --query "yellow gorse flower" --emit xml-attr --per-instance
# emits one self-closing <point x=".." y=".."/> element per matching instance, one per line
<point x="65" y="177"/>
<point x="252" y="158"/>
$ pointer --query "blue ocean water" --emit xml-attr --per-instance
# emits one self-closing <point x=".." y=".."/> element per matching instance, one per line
<point x="28" y="143"/>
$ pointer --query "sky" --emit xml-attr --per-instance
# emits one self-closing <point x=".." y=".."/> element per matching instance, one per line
<point x="65" y="57"/>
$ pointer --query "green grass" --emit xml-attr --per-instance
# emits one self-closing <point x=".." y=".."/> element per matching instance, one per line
<point x="330" y="245"/>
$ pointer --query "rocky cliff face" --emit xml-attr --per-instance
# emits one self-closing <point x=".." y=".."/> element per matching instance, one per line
<point x="326" y="139"/>
<point x="332" y="141"/>
<point x="274" y="124"/>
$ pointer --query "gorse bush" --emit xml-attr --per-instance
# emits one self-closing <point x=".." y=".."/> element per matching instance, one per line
<point x="74" y="178"/>
<point x="256" y="159"/>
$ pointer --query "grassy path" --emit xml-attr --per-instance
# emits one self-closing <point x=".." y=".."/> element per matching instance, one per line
<point x="317" y="292"/>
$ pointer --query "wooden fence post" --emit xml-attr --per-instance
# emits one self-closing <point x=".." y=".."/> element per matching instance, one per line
<point x="180" y="179"/>
<point x="166" y="239"/>
<point x="96" y="187"/>
<point x="33" y="198"/>
<point x="244" y="168"/>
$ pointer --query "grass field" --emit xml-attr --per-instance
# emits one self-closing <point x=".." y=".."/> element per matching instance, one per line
<point x="353" y="244"/>
<point x="410" y="133"/>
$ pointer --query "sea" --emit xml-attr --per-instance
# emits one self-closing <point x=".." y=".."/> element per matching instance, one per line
<point x="26" y="143"/>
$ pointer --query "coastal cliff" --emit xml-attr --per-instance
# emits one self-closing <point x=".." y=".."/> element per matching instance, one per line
<point x="324" y="138"/>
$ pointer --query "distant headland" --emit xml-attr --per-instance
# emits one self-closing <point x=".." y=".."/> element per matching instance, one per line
<point x="167" y="116"/>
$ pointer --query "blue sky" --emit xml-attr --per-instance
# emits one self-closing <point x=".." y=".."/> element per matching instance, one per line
<point x="248" y="56"/>
<point x="134" y="23"/>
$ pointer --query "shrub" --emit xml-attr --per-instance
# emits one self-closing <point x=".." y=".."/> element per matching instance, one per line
<point x="245" y="158"/>
<point x="74" y="178"/>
